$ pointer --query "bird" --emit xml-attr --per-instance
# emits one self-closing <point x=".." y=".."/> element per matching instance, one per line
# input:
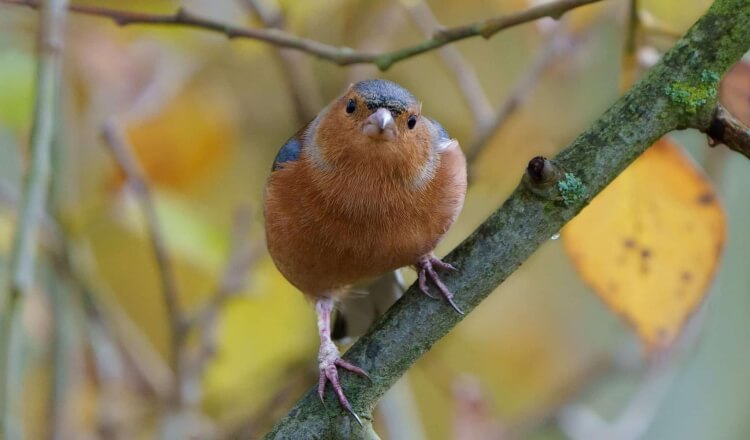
<point x="369" y="186"/>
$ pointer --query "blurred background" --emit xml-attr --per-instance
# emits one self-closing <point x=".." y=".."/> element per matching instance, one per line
<point x="542" y="358"/>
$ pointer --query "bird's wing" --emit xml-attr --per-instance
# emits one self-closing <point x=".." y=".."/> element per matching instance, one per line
<point x="443" y="140"/>
<point x="291" y="150"/>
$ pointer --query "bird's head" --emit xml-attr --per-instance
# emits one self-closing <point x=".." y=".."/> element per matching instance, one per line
<point x="382" y="110"/>
<point x="377" y="120"/>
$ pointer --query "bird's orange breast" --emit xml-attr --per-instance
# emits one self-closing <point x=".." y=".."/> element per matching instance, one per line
<point x="328" y="230"/>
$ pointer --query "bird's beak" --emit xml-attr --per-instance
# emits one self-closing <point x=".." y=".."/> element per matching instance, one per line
<point x="380" y="125"/>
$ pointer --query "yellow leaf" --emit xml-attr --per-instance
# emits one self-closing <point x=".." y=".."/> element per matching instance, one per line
<point x="650" y="243"/>
<point x="184" y="141"/>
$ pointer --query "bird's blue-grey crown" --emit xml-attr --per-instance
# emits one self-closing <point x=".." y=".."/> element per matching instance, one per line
<point x="381" y="93"/>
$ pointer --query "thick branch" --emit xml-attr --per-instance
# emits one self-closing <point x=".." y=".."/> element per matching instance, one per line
<point x="728" y="130"/>
<point x="534" y="212"/>
<point x="340" y="55"/>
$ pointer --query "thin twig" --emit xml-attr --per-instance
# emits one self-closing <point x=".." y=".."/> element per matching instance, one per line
<point x="136" y="181"/>
<point x="556" y="41"/>
<point x="728" y="130"/>
<point x="338" y="55"/>
<point x="35" y="190"/>
<point x="629" y="64"/>
<point x="463" y="72"/>
<point x="297" y="69"/>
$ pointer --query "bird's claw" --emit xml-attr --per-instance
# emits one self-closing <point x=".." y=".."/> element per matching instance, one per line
<point x="329" y="373"/>
<point x="440" y="264"/>
<point x="426" y="269"/>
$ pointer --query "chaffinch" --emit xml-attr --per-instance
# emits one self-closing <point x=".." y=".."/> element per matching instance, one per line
<point x="369" y="186"/>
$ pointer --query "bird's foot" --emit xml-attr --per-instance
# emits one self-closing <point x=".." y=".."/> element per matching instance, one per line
<point x="329" y="359"/>
<point x="426" y="269"/>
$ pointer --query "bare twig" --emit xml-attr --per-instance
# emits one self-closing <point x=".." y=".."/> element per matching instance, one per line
<point x="338" y="55"/>
<point x="629" y="64"/>
<point x="35" y="189"/>
<point x="728" y="130"/>
<point x="297" y="70"/>
<point x="136" y="181"/>
<point x="463" y="72"/>
<point x="555" y="43"/>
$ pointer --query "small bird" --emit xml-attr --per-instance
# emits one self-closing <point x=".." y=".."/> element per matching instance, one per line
<point x="369" y="186"/>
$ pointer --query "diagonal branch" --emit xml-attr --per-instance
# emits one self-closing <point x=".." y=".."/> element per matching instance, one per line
<point x="296" y="68"/>
<point x="679" y="92"/>
<point x="339" y="55"/>
<point x="555" y="46"/>
<point x="463" y="73"/>
<point x="136" y="180"/>
<point x="730" y="131"/>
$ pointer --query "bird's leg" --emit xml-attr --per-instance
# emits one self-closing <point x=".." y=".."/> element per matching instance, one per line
<point x="426" y="269"/>
<point x="329" y="357"/>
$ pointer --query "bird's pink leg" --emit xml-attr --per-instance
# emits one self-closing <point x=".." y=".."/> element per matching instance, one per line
<point x="426" y="269"/>
<point x="329" y="357"/>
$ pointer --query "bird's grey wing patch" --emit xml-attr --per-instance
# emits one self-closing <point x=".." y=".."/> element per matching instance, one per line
<point x="289" y="152"/>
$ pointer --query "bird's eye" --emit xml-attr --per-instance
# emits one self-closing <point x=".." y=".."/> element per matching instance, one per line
<point x="351" y="106"/>
<point x="411" y="122"/>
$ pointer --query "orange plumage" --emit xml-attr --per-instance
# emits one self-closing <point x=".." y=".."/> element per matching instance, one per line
<point x="367" y="187"/>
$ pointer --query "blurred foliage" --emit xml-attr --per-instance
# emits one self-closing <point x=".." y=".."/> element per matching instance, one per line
<point x="650" y="243"/>
<point x="206" y="116"/>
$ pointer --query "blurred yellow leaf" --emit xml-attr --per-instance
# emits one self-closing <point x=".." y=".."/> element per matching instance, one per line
<point x="16" y="75"/>
<point x="650" y="243"/>
<point x="190" y="235"/>
<point x="252" y="361"/>
<point x="184" y="141"/>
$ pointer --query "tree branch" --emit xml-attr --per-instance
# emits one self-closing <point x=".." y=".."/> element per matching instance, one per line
<point x="136" y="180"/>
<point x="342" y="56"/>
<point x="728" y="130"/>
<point x="34" y="198"/>
<point x="556" y="44"/>
<point x="679" y="92"/>
<point x="296" y="67"/>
